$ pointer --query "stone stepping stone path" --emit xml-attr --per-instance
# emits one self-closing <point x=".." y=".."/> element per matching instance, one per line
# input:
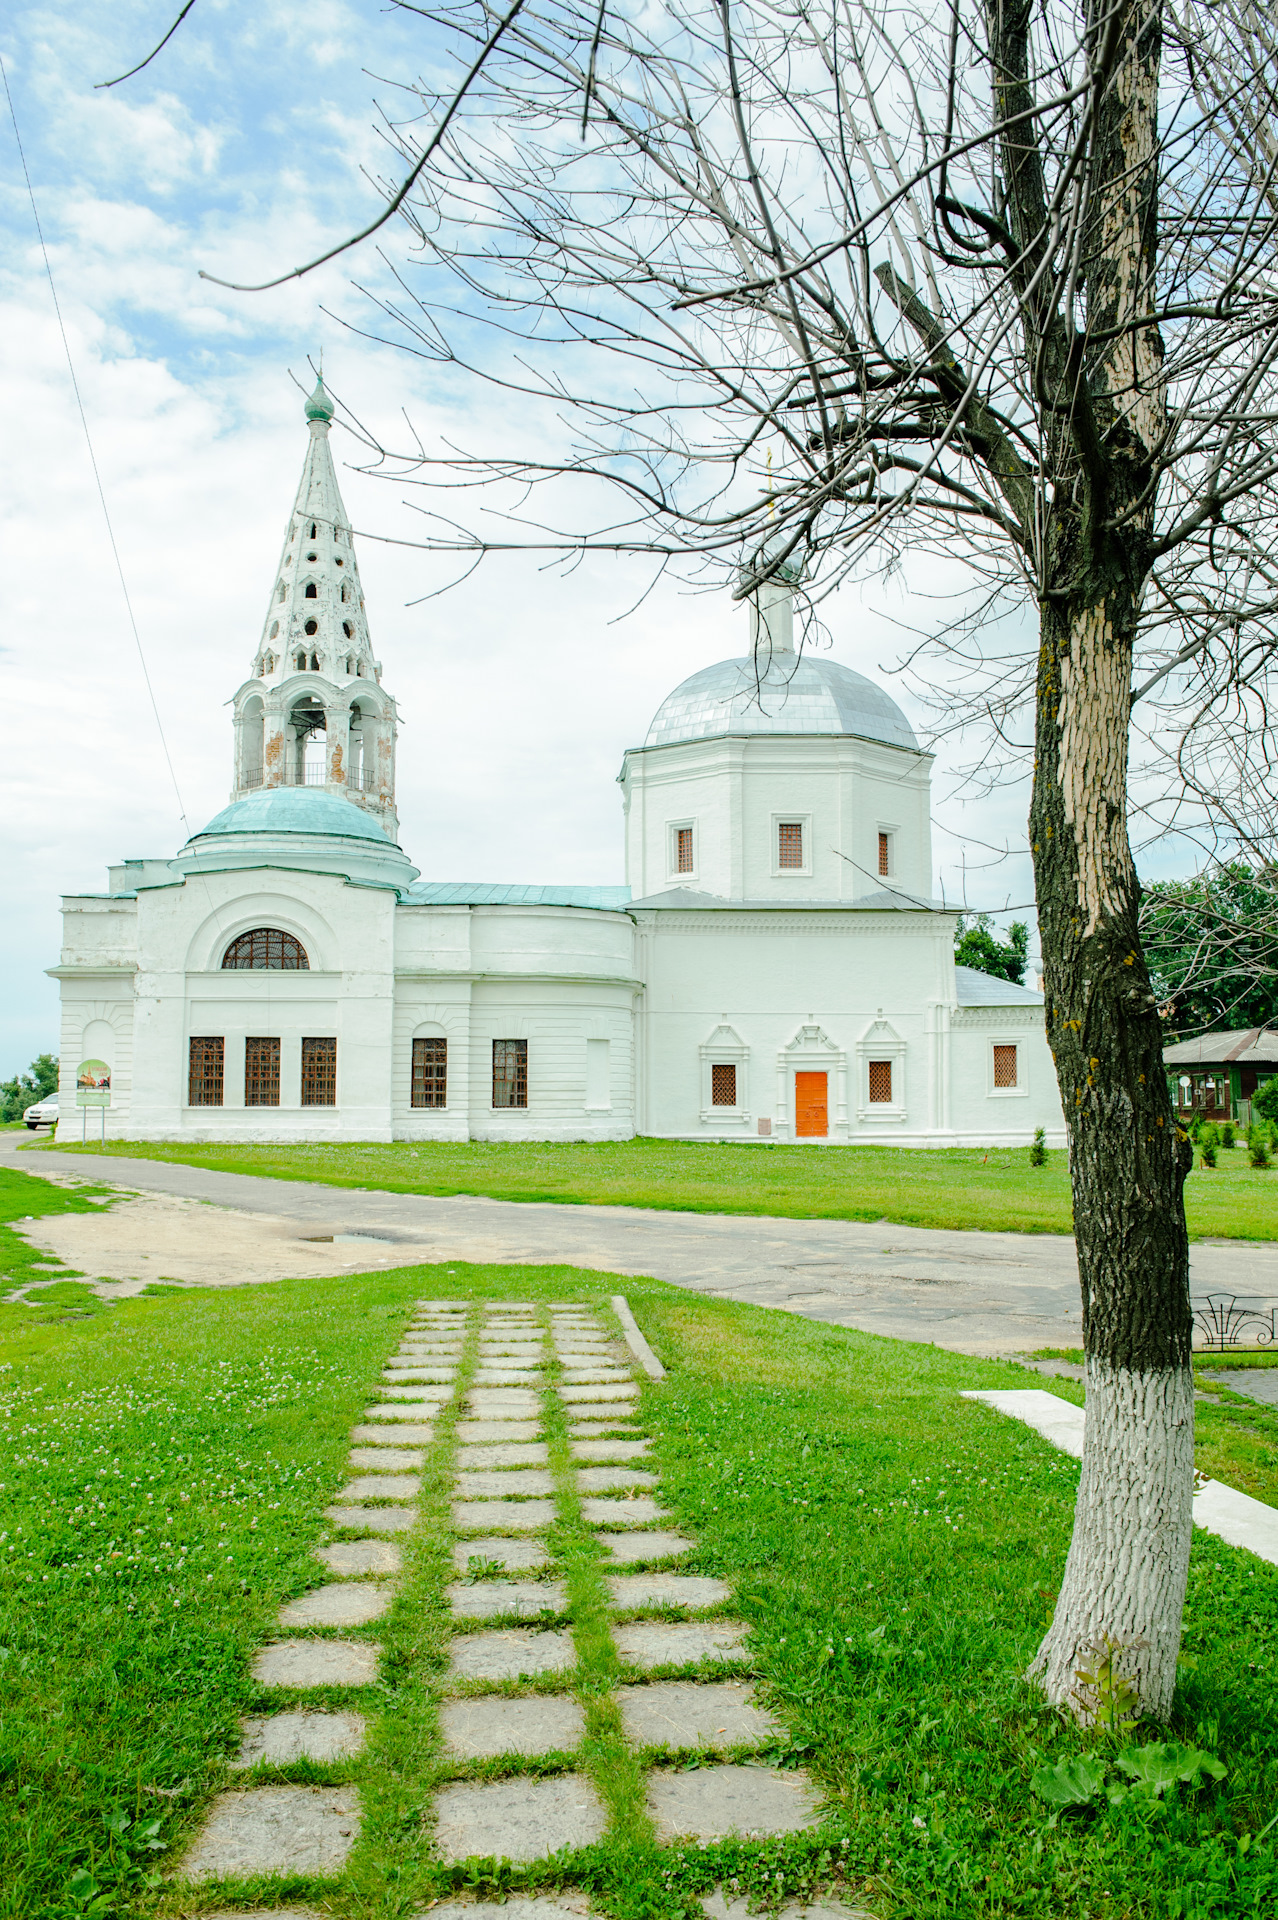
<point x="557" y="1533"/>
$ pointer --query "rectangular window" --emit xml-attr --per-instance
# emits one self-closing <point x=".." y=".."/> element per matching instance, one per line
<point x="723" y="1085"/>
<point x="207" y="1063"/>
<point x="881" y="1081"/>
<point x="261" y="1072"/>
<point x="319" y="1073"/>
<point x="510" y="1073"/>
<point x="885" y="853"/>
<point x="430" y="1073"/>
<point x="683" y="850"/>
<point x="1005" y="1066"/>
<point x="598" y="1075"/>
<point x="790" y="843"/>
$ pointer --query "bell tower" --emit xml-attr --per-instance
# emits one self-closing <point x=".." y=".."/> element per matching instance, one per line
<point x="314" y="712"/>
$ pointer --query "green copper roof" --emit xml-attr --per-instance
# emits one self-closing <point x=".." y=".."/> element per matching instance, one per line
<point x="296" y="810"/>
<point x="319" y="406"/>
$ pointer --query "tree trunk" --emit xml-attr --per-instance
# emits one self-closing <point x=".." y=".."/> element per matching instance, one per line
<point x="1111" y="1651"/>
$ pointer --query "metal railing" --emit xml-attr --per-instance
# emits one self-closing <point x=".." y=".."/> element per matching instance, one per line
<point x="1225" y="1322"/>
<point x="358" y="779"/>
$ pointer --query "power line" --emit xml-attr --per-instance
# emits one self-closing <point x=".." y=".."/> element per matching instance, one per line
<point x="93" y="458"/>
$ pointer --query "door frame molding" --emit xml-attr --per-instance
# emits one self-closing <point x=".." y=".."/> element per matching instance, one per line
<point x="812" y="1051"/>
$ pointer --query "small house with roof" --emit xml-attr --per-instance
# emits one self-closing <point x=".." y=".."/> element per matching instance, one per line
<point x="1216" y="1075"/>
<point x="774" y="966"/>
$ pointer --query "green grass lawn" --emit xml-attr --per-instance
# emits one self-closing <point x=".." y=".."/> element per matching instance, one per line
<point x="894" y="1548"/>
<point x="961" y="1187"/>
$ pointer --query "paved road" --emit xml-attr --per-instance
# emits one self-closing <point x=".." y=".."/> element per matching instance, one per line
<point x="974" y="1292"/>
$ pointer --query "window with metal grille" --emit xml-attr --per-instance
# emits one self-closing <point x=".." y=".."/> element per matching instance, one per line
<point x="885" y="853"/>
<point x="267" y="947"/>
<point x="510" y="1073"/>
<point x="430" y="1073"/>
<point x="723" y="1085"/>
<point x="319" y="1072"/>
<point x="207" y="1062"/>
<point x="1005" y="1066"/>
<point x="683" y="849"/>
<point x="261" y="1071"/>
<point x="881" y="1081"/>
<point x="790" y="843"/>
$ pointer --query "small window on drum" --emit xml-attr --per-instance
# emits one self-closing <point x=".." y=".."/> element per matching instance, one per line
<point x="269" y="948"/>
<point x="790" y="843"/>
<point x="683" y="850"/>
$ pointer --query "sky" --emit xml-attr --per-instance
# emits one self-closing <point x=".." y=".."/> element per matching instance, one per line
<point x="242" y="150"/>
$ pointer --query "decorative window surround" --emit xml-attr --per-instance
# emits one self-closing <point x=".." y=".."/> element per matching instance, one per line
<point x="1021" y="1090"/>
<point x="812" y="1051"/>
<point x="725" y="1048"/>
<point x="804" y="822"/>
<point x="686" y="875"/>
<point x="881" y="1041"/>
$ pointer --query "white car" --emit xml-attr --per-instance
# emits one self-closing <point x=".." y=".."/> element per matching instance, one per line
<point x="44" y="1113"/>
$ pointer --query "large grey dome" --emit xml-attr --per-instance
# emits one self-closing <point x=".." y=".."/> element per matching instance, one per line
<point x="799" y="694"/>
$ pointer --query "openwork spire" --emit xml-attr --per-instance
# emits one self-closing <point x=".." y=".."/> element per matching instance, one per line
<point x="313" y="712"/>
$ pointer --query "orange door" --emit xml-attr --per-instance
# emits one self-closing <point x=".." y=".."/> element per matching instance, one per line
<point x="810" y="1110"/>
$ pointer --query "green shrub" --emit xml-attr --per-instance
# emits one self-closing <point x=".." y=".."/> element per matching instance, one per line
<point x="1209" y="1134"/>
<point x="1206" y="1150"/>
<point x="1038" y="1148"/>
<point x="1257" y="1147"/>
<point x="1227" y="1133"/>
<point x="1265" y="1100"/>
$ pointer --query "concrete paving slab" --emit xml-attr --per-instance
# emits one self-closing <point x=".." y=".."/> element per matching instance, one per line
<point x="690" y="1713"/>
<point x="504" y="1485"/>
<point x="493" y="1599"/>
<point x="516" y="1556"/>
<point x="600" y="1411"/>
<point x="371" y="1519"/>
<point x="514" y="1653"/>
<point x="360" y="1556"/>
<point x="278" y="1739"/>
<point x="316" y="1663"/>
<point x="416" y="1418"/>
<point x="601" y="1396"/>
<point x="529" y="1453"/>
<point x="380" y="1486"/>
<point x="507" y="1377"/>
<point x="641" y="1511"/>
<point x="542" y="1723"/>
<point x="519" y="1906"/>
<point x="484" y="1432"/>
<point x="411" y="1431"/>
<point x="503" y="1403"/>
<point x="609" y="1449"/>
<point x="622" y="1424"/>
<point x="491" y="1516"/>
<point x="428" y="1396"/>
<point x="347" y="1603"/>
<point x="264" y="1913"/>
<point x="600" y="1376"/>
<point x="275" y="1830"/>
<point x="712" y="1802"/>
<point x="387" y="1459"/>
<point x="426" y="1355"/>
<point x="517" y="1820"/>
<point x="667" y="1590"/>
<point x="417" y="1376"/>
<point x="660" y="1643"/>
<point x="630" y="1548"/>
<point x="605" y="1479"/>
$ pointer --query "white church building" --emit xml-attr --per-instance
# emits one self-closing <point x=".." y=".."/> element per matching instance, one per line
<point x="774" y="968"/>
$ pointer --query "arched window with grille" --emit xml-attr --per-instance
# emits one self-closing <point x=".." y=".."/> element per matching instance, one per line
<point x="267" y="947"/>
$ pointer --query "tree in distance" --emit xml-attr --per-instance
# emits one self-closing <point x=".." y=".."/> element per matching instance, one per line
<point x="808" y="291"/>
<point x="1212" y="946"/>
<point x="975" y="945"/>
<point x="39" y="1080"/>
